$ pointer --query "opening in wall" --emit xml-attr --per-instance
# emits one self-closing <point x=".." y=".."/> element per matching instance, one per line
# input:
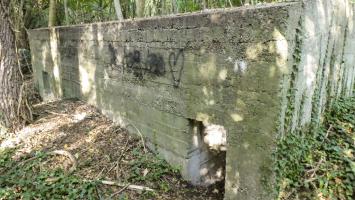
<point x="46" y="83"/>
<point x="207" y="157"/>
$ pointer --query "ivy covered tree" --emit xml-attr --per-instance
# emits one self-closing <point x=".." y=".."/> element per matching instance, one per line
<point x="13" y="111"/>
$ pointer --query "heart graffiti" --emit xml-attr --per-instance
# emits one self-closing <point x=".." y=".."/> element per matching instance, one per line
<point x="176" y="64"/>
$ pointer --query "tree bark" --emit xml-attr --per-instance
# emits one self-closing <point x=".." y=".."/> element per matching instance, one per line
<point x="66" y="12"/>
<point x="20" y="34"/>
<point x="175" y="6"/>
<point x="204" y="4"/>
<point x="52" y="13"/>
<point x="140" y="8"/>
<point x="11" y="115"/>
<point x="118" y="9"/>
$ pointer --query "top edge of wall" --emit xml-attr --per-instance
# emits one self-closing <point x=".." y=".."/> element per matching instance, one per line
<point x="203" y="12"/>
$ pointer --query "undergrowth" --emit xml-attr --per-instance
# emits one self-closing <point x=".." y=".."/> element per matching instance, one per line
<point x="28" y="178"/>
<point x="146" y="169"/>
<point x="319" y="163"/>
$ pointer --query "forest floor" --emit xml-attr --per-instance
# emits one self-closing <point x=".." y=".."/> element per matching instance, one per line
<point x="319" y="162"/>
<point x="72" y="151"/>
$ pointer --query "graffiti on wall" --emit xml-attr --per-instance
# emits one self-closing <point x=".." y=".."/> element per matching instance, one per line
<point x="152" y="64"/>
<point x="176" y="64"/>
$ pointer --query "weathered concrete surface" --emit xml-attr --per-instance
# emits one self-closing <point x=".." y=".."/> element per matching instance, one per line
<point x="322" y="64"/>
<point x="255" y="71"/>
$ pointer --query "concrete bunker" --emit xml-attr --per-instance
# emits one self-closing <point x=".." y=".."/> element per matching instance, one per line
<point x="209" y="90"/>
<point x="193" y="84"/>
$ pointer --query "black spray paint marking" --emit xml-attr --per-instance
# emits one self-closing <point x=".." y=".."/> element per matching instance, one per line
<point x="152" y="64"/>
<point x="133" y="62"/>
<point x="176" y="63"/>
<point x="156" y="64"/>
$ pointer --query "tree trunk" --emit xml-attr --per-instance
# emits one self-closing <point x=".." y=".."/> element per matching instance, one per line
<point x="20" y="34"/>
<point x="175" y="6"/>
<point x="204" y="4"/>
<point x="11" y="108"/>
<point x="118" y="10"/>
<point x="52" y="13"/>
<point x="66" y="12"/>
<point x="140" y="8"/>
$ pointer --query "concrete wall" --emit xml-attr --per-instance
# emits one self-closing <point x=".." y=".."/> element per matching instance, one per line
<point x="322" y="64"/>
<point x="186" y="81"/>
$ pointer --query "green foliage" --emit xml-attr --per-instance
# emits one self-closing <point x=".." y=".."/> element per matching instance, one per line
<point x="154" y="167"/>
<point x="80" y="11"/>
<point x="28" y="179"/>
<point x="320" y="163"/>
<point x="88" y="11"/>
<point x="32" y="178"/>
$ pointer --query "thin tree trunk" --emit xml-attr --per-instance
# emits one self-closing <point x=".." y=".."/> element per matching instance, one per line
<point x="110" y="10"/>
<point x="52" y="13"/>
<point x="66" y="12"/>
<point x="11" y="109"/>
<point x="19" y="24"/>
<point x="204" y="4"/>
<point x="175" y="6"/>
<point x="230" y="3"/>
<point x="140" y="8"/>
<point x="118" y="9"/>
